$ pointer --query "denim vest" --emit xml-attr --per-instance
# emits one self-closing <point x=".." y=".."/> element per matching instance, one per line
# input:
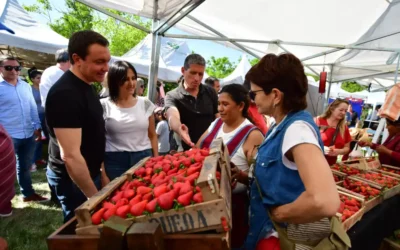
<point x="279" y="185"/>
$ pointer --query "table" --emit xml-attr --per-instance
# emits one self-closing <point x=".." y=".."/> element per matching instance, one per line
<point x="377" y="224"/>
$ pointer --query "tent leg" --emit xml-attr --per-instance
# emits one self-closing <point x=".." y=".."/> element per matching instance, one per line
<point x="155" y="57"/>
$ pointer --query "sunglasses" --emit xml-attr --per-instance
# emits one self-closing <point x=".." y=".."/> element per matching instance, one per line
<point x="253" y="94"/>
<point x="10" y="68"/>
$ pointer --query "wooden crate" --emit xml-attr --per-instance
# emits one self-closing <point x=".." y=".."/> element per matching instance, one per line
<point x="65" y="238"/>
<point x="347" y="224"/>
<point x="204" y="216"/>
<point x="365" y="163"/>
<point x="397" y="169"/>
<point x="339" y="174"/>
<point x="387" y="192"/>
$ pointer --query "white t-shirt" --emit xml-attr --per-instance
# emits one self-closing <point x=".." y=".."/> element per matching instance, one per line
<point x="49" y="77"/>
<point x="127" y="128"/>
<point x="162" y="131"/>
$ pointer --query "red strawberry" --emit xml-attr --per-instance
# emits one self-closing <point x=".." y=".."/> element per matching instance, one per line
<point x="138" y="209"/>
<point x="198" y="189"/>
<point x="117" y="197"/>
<point x="186" y="188"/>
<point x="191" y="178"/>
<point x="110" y="212"/>
<point x="198" y="198"/>
<point x="122" y="202"/>
<point x="128" y="193"/>
<point x="182" y="172"/>
<point x="194" y="168"/>
<point x="166" y="167"/>
<point x="151" y="206"/>
<point x="148" y="197"/>
<point x="162" y="189"/>
<point x="205" y="152"/>
<point x="160" y="182"/>
<point x="172" y="171"/>
<point x="149" y="171"/>
<point x="199" y="158"/>
<point x="143" y="190"/>
<point x="187" y="162"/>
<point x="218" y="175"/>
<point x="157" y="167"/>
<point x="158" y="158"/>
<point x="166" y="201"/>
<point x="135" y="200"/>
<point x="185" y="199"/>
<point x="124" y="186"/>
<point x="146" y="179"/>
<point x="108" y="205"/>
<point x="123" y="211"/>
<point x="176" y="164"/>
<point x="140" y="172"/>
<point x="136" y="183"/>
<point x="96" y="217"/>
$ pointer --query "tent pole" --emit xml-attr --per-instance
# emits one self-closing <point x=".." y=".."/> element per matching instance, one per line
<point x="366" y="76"/>
<point x="155" y="57"/>
<point x="287" y="51"/>
<point x="108" y="13"/>
<point x="329" y="88"/>
<point x="221" y="35"/>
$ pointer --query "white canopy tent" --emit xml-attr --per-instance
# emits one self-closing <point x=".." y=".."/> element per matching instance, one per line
<point x="172" y="55"/>
<point x="254" y="25"/>
<point x="238" y="75"/>
<point x="29" y="34"/>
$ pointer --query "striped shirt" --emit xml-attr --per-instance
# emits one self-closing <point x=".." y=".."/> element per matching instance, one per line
<point x="18" y="111"/>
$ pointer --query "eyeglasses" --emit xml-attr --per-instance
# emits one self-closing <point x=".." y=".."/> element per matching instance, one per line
<point x="252" y="94"/>
<point x="10" y="68"/>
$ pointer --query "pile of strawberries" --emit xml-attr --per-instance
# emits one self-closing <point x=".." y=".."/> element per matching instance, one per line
<point x="362" y="188"/>
<point x="391" y="170"/>
<point x="345" y="169"/>
<point x="348" y="206"/>
<point x="382" y="180"/>
<point x="336" y="178"/>
<point x="163" y="183"/>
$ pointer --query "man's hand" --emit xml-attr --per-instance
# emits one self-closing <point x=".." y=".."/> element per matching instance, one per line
<point x="38" y="134"/>
<point x="383" y="150"/>
<point x="184" y="134"/>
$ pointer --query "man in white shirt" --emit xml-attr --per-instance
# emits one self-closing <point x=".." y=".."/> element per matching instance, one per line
<point x="53" y="73"/>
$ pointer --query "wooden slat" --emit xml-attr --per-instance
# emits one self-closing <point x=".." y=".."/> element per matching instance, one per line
<point x="145" y="235"/>
<point x="226" y="191"/>
<point x="129" y="173"/>
<point x="113" y="234"/>
<point x="207" y="180"/>
<point x="82" y="213"/>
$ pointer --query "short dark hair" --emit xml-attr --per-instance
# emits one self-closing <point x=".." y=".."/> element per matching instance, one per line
<point x="80" y="42"/>
<point x="194" y="59"/>
<point x="378" y="107"/>
<point x="116" y="77"/>
<point x="62" y="56"/>
<point x="239" y="94"/>
<point x="210" y="81"/>
<point x="8" y="58"/>
<point x="284" y="72"/>
<point x="33" y="72"/>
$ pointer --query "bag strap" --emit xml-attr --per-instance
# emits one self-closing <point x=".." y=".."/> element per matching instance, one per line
<point x="238" y="139"/>
<point x="334" y="136"/>
<point x="211" y="136"/>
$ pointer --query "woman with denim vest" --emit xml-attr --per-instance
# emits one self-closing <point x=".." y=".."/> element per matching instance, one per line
<point x="292" y="183"/>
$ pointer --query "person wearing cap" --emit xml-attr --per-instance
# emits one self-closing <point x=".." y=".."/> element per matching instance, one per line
<point x="192" y="106"/>
<point x="53" y="73"/>
<point x="162" y="131"/>
<point x="19" y="116"/>
<point x="389" y="151"/>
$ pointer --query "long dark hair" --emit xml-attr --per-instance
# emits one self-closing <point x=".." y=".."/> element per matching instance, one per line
<point x="32" y="73"/>
<point x="117" y="76"/>
<point x="239" y="95"/>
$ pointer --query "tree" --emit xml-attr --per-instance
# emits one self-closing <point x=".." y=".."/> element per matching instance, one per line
<point x="76" y="17"/>
<point x="254" y="61"/>
<point x="352" y="87"/>
<point x="220" y="67"/>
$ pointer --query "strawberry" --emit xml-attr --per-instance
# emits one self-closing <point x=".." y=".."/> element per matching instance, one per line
<point x="166" y="201"/>
<point x="108" y="205"/>
<point x="198" y="189"/>
<point x="194" y="168"/>
<point x="177" y="187"/>
<point x="158" y="158"/>
<point x="186" y="188"/>
<point x="140" y="172"/>
<point x="185" y="199"/>
<point x="160" y="182"/>
<point x="151" y="206"/>
<point x="138" y="209"/>
<point x="96" y="217"/>
<point x="204" y="152"/>
<point x="122" y="202"/>
<point x="198" y="158"/>
<point x="143" y="190"/>
<point x="177" y="155"/>
<point x="176" y="164"/>
<point x="135" y="200"/>
<point x="117" y="197"/>
<point x="182" y="172"/>
<point x="198" y="198"/>
<point x="146" y="179"/>
<point x="136" y="183"/>
<point x="148" y="197"/>
<point x="191" y="178"/>
<point x="166" y="167"/>
<point x="110" y="212"/>
<point x="218" y="175"/>
<point x="187" y="162"/>
<point x="128" y="194"/>
<point x="124" y="186"/>
<point x="149" y="171"/>
<point x="123" y="211"/>
<point x="172" y="171"/>
<point x="162" y="189"/>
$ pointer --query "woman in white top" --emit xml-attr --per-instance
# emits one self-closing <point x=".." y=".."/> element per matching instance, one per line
<point x="241" y="138"/>
<point x="129" y="119"/>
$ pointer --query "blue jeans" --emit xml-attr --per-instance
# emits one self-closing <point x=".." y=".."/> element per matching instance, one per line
<point x="39" y="144"/>
<point x="24" y="149"/>
<point x="117" y="163"/>
<point x="69" y="194"/>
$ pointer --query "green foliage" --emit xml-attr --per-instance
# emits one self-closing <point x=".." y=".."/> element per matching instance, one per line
<point x="254" y="61"/>
<point x="220" y="67"/>
<point x="97" y="86"/>
<point x="352" y="87"/>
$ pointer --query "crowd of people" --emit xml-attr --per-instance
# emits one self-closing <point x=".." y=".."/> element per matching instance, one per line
<point x="280" y="168"/>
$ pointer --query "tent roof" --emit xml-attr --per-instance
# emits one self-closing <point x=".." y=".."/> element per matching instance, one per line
<point x="238" y="75"/>
<point x="29" y="34"/>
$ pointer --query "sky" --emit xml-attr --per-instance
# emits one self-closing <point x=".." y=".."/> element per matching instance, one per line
<point x="205" y="48"/>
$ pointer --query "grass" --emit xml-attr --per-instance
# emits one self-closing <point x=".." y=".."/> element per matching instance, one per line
<point x="31" y="223"/>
